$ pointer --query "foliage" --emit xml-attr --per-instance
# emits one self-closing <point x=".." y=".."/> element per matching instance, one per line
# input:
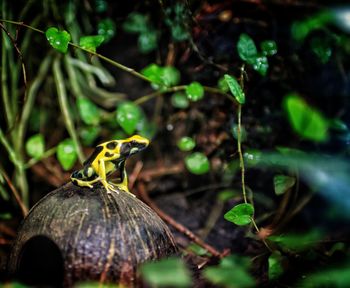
<point x="197" y="163"/>
<point x="167" y="272"/>
<point x="240" y="214"/>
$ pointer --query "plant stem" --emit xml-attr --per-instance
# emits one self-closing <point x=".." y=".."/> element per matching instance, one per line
<point x="46" y="154"/>
<point x="62" y="99"/>
<point x="239" y="147"/>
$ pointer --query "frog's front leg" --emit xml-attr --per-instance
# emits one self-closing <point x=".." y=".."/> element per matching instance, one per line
<point x="103" y="178"/>
<point x="124" y="178"/>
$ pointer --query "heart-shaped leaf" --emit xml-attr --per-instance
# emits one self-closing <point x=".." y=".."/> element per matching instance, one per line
<point x="197" y="163"/>
<point x="260" y="64"/>
<point x="268" y="47"/>
<point x="35" y="146"/>
<point x="58" y="39"/>
<point x="194" y="91"/>
<point x="235" y="88"/>
<point x="66" y="154"/>
<point x="106" y="28"/>
<point x="128" y="116"/>
<point x="241" y="214"/>
<point x="91" y="42"/>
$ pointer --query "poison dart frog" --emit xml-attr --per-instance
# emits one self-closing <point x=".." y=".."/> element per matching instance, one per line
<point x="107" y="158"/>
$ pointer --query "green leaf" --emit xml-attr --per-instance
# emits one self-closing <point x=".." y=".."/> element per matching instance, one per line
<point x="198" y="250"/>
<point x="252" y="157"/>
<point x="297" y="242"/>
<point x="235" y="88"/>
<point x="128" y="116"/>
<point x="197" y="163"/>
<point x="91" y="42"/>
<point x="101" y="6"/>
<point x="88" y="111"/>
<point x="66" y="154"/>
<point x="153" y="72"/>
<point x="89" y="134"/>
<point x="147" y="41"/>
<point x="260" y="64"/>
<point x="179" y="32"/>
<point x="58" y="39"/>
<point x="186" y="144"/>
<point x="246" y="48"/>
<point x="35" y="146"/>
<point x="5" y="216"/>
<point x="306" y="120"/>
<point x="231" y="272"/>
<point x="241" y="214"/>
<point x="268" y="47"/>
<point x="234" y="131"/>
<point x="106" y="28"/>
<point x="321" y="48"/>
<point x="222" y="84"/>
<point x="136" y="23"/>
<point x="275" y="266"/>
<point x="179" y="100"/>
<point x="338" y="277"/>
<point x="283" y="183"/>
<point x="226" y="195"/>
<point x="170" y="76"/>
<point x="170" y="272"/>
<point x="194" y="91"/>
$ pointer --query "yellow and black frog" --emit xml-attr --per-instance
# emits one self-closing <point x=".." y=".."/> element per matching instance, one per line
<point x="107" y="158"/>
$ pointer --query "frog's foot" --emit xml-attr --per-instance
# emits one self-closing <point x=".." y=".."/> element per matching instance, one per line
<point x="109" y="187"/>
<point x="124" y="188"/>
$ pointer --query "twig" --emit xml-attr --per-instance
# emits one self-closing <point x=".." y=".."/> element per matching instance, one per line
<point x="135" y="173"/>
<point x="147" y="175"/>
<point x="23" y="207"/>
<point x="7" y="230"/>
<point x="144" y="196"/>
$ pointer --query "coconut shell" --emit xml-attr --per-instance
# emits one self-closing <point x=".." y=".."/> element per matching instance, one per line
<point x="77" y="234"/>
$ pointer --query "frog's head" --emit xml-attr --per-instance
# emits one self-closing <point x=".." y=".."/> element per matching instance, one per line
<point x="132" y="145"/>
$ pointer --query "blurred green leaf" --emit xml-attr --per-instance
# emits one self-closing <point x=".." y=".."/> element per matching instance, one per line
<point x="88" y="111"/>
<point x="321" y="48"/>
<point x="297" y="242"/>
<point x="283" y="183"/>
<point x="306" y="120"/>
<point x="58" y="39"/>
<point x="197" y="163"/>
<point x="128" y="116"/>
<point x="268" y="47"/>
<point x="194" y="91"/>
<point x="222" y="84"/>
<point x="146" y="128"/>
<point x="235" y="88"/>
<point x="179" y="100"/>
<point x="179" y="32"/>
<point x="88" y="134"/>
<point x="154" y="73"/>
<point x="300" y="29"/>
<point x="260" y="64"/>
<point x="240" y="214"/>
<point x="170" y="76"/>
<point x="35" y="146"/>
<point x="252" y="157"/>
<point x="136" y="23"/>
<point x="106" y="28"/>
<point x="101" y="6"/>
<point x="198" y="250"/>
<point x="96" y="285"/>
<point x="234" y="130"/>
<point x="275" y="266"/>
<point x="170" y="272"/>
<point x="91" y="42"/>
<point x="227" y="194"/>
<point x="5" y="216"/>
<point x="147" y="41"/>
<point x="66" y="154"/>
<point x="246" y="48"/>
<point x="186" y="144"/>
<point x="3" y="193"/>
<point x="232" y="272"/>
<point x="333" y="277"/>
